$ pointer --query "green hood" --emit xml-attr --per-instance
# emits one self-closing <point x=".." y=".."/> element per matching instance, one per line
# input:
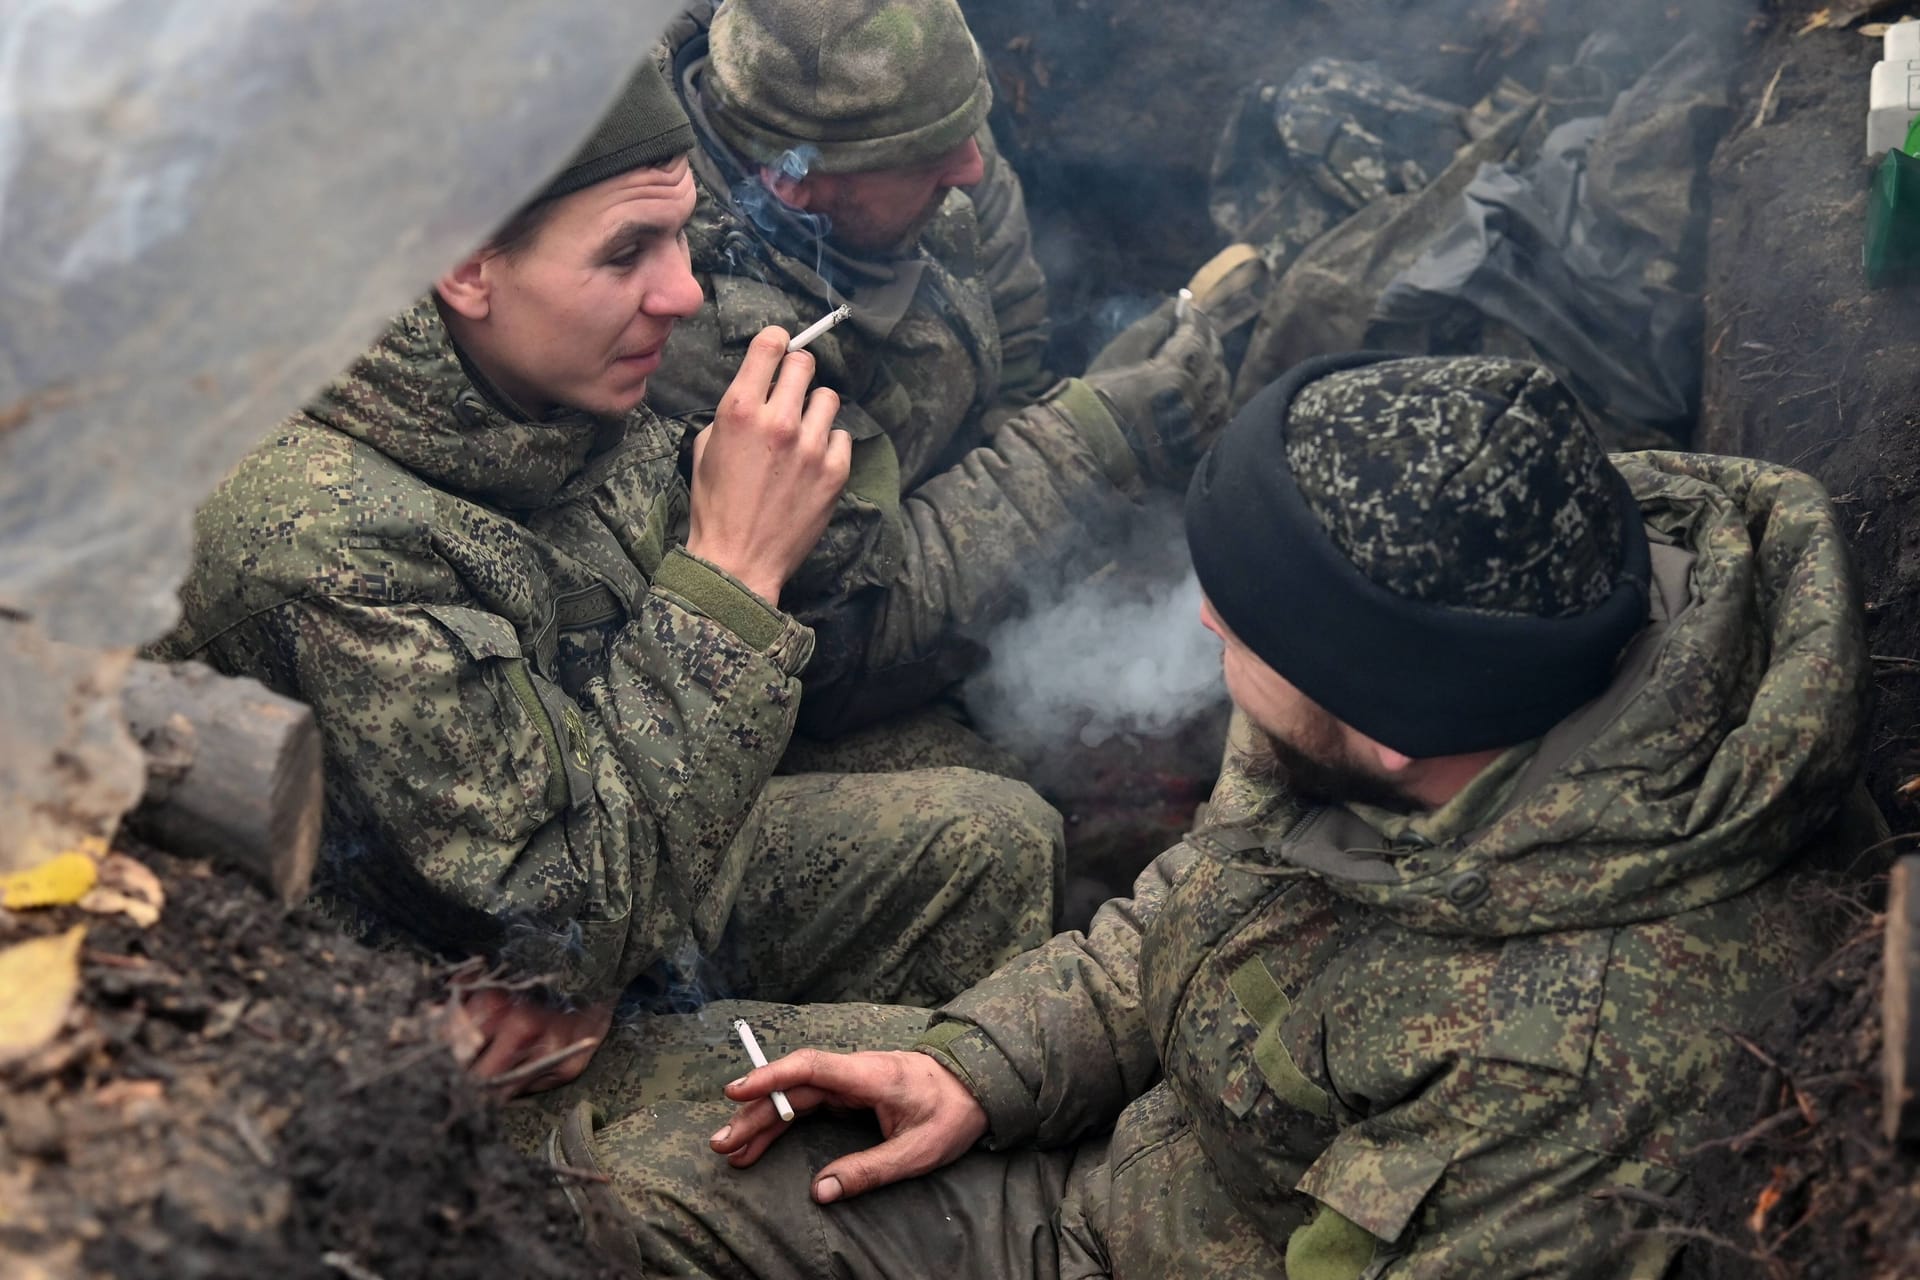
<point x="414" y="399"/>
<point x="1731" y="736"/>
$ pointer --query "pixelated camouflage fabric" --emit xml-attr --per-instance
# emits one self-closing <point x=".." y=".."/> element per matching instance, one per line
<point x="1466" y="1047"/>
<point x="537" y="746"/>
<point x="970" y="470"/>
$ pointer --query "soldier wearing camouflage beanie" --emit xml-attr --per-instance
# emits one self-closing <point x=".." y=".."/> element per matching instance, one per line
<point x="1441" y="983"/>
<point x="844" y="158"/>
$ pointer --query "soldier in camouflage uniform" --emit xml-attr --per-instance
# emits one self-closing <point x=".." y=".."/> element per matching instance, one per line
<point x="844" y="156"/>
<point x="1439" y="985"/>
<point x="553" y="681"/>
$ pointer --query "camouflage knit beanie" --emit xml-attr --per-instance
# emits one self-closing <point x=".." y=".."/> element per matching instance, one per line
<point x="849" y="85"/>
<point x="646" y="125"/>
<point x="1435" y="550"/>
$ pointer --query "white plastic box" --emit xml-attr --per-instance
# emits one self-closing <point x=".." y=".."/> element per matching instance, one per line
<point x="1894" y="96"/>
<point x="1902" y="42"/>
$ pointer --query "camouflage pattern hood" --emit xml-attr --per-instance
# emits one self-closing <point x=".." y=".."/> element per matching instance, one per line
<point x="1722" y="759"/>
<point x="396" y="398"/>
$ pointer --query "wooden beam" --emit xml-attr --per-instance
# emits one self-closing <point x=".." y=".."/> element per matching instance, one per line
<point x="1900" y="1005"/>
<point x="233" y="772"/>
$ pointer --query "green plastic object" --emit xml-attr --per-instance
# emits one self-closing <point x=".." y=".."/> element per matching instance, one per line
<point x="1913" y="138"/>
<point x="1893" y="221"/>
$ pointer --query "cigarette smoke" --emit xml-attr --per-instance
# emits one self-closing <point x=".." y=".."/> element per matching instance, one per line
<point x="1121" y="652"/>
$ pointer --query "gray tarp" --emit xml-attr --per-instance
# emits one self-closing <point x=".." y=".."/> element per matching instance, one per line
<point x="1582" y="251"/>
<point x="206" y="208"/>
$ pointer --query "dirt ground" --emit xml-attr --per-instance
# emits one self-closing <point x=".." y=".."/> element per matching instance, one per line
<point x="1808" y="366"/>
<point x="242" y="1092"/>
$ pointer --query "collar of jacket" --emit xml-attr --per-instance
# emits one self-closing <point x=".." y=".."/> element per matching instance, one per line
<point x="1725" y="748"/>
<point x="415" y="399"/>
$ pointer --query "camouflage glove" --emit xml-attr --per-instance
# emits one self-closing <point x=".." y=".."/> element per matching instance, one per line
<point x="1165" y="381"/>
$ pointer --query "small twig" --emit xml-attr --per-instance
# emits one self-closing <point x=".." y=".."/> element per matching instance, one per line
<point x="1741" y="1141"/>
<point x="1634" y="1195"/>
<point x="250" y="1135"/>
<point x="347" y="1265"/>
<point x="1892" y="661"/>
<point x="528" y="1070"/>
<point x="579" y="1175"/>
<point x="1808" y="1111"/>
<point x="406" y="1062"/>
<point x="1766" y="99"/>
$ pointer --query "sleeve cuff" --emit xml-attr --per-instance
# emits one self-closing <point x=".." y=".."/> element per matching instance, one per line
<point x="966" y="1050"/>
<point x="711" y="591"/>
<point x="1082" y="406"/>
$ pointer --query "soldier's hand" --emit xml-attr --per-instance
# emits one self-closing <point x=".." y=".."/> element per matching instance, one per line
<point x="768" y="470"/>
<point x="525" y="1040"/>
<point x="927" y="1116"/>
<point x="1165" y="380"/>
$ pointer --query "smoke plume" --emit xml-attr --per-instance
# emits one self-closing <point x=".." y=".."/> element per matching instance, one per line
<point x="1121" y="652"/>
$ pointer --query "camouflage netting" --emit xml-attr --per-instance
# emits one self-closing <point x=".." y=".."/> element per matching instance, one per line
<point x="203" y="215"/>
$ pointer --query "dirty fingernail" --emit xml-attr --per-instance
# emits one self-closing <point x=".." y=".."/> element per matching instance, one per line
<point x="827" y="1190"/>
<point x="726" y="1131"/>
<point x="735" y="1084"/>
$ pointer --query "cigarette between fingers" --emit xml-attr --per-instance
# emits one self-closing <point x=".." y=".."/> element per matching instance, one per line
<point x="752" y="1045"/>
<point x="801" y="340"/>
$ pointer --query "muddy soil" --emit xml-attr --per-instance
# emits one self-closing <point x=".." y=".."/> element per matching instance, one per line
<point x="1806" y="364"/>
<point x="1807" y="1189"/>
<point x="245" y="1093"/>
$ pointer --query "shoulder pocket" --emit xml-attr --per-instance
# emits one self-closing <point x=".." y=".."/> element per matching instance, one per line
<point x="561" y="728"/>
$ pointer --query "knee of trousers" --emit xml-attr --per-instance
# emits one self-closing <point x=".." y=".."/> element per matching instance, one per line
<point x="1007" y="829"/>
<point x="1001" y="836"/>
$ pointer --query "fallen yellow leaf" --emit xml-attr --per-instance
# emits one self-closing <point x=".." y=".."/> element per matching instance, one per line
<point x="38" y="980"/>
<point x="128" y="887"/>
<point x="61" y="879"/>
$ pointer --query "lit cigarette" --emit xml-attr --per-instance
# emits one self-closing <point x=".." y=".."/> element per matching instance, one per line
<point x="1184" y="305"/>
<point x="740" y="1026"/>
<point x="815" y="329"/>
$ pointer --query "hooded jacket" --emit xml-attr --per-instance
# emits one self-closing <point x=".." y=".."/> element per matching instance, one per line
<point x="972" y="467"/>
<point x="1457" y="1044"/>
<point x="544" y="720"/>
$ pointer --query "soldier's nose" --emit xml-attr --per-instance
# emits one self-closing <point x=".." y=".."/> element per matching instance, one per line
<point x="965" y="166"/>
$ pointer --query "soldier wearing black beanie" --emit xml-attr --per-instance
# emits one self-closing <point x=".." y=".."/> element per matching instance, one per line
<point x="1437" y="552"/>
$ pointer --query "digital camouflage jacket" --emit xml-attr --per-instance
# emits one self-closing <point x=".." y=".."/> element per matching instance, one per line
<point x="972" y="467"/>
<point x="1435" y="1046"/>
<point x="544" y="720"/>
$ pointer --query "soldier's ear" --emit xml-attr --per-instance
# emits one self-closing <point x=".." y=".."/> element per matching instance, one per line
<point x="466" y="290"/>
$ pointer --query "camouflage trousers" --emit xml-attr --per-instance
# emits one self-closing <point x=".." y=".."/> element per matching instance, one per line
<point x="903" y="888"/>
<point x="671" y="1207"/>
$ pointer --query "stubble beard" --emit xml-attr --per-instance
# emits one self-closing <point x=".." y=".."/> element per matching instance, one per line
<point x="1317" y="770"/>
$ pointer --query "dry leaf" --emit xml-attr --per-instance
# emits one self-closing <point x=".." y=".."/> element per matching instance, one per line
<point x="129" y="888"/>
<point x="1770" y="1197"/>
<point x="38" y="980"/>
<point x="63" y="878"/>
